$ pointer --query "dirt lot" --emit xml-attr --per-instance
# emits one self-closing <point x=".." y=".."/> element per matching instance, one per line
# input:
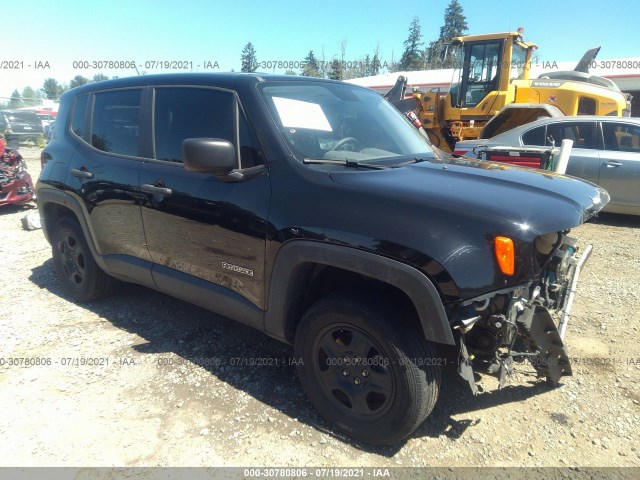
<point x="142" y="379"/>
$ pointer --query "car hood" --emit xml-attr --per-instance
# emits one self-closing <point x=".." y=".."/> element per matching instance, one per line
<point x="543" y="201"/>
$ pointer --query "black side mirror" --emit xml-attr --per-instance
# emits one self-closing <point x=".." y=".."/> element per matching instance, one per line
<point x="209" y="155"/>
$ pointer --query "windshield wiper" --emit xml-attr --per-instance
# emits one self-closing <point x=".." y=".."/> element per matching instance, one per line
<point x="346" y="163"/>
<point x="409" y="162"/>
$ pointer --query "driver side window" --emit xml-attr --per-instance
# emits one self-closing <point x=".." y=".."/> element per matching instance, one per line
<point x="183" y="112"/>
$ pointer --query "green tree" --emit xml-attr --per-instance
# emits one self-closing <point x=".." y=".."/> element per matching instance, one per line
<point x="30" y="97"/>
<point x="455" y="25"/>
<point x="335" y="70"/>
<point x="375" y="61"/>
<point x="99" y="77"/>
<point x="16" y="100"/>
<point x="412" y="55"/>
<point x="52" y="89"/>
<point x="290" y="72"/>
<point x="311" y="67"/>
<point x="362" y="67"/>
<point x="78" y="81"/>
<point x="366" y="66"/>
<point x="248" y="59"/>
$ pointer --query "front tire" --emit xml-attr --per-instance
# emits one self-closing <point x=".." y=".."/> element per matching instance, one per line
<point x="78" y="272"/>
<point x="367" y="369"/>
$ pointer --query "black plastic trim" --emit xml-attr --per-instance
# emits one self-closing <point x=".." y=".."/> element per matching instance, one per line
<point x="45" y="196"/>
<point x="412" y="282"/>
<point x="207" y="295"/>
<point x="122" y="267"/>
<point x="129" y="269"/>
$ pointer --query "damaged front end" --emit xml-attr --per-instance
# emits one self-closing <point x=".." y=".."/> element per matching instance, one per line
<point x="523" y="323"/>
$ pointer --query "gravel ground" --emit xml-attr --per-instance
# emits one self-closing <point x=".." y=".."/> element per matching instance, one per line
<point x="142" y="379"/>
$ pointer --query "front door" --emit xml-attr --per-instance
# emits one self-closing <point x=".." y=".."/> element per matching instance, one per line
<point x="194" y="223"/>
<point x="620" y="163"/>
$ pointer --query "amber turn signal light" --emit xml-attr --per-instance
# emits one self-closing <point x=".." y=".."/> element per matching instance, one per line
<point x="505" y="254"/>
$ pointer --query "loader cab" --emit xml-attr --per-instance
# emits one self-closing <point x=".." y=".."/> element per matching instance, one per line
<point x="484" y="66"/>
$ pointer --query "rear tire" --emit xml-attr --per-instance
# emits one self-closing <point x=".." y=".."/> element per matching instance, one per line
<point x="78" y="272"/>
<point x="367" y="369"/>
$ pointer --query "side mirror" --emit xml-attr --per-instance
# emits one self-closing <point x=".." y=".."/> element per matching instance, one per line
<point x="209" y="155"/>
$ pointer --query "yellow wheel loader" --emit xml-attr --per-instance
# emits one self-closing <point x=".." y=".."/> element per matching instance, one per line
<point x="492" y="71"/>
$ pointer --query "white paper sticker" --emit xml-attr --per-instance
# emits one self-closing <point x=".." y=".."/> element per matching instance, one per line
<point x="299" y="114"/>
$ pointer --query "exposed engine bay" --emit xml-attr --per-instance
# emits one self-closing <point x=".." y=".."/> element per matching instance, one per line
<point x="524" y="323"/>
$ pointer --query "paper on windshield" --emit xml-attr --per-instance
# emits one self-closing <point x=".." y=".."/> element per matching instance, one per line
<point x="299" y="114"/>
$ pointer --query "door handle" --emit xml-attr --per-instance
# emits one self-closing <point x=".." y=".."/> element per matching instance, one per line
<point x="613" y="164"/>
<point x="145" y="187"/>
<point x="81" y="173"/>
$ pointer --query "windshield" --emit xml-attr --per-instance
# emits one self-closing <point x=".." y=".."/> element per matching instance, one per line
<point x="334" y="121"/>
<point x="518" y="59"/>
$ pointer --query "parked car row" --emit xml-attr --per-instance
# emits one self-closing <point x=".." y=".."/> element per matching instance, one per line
<point x="47" y="120"/>
<point x="19" y="126"/>
<point x="606" y="151"/>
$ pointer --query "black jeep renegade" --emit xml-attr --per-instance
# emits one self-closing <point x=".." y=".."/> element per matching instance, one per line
<point x="315" y="212"/>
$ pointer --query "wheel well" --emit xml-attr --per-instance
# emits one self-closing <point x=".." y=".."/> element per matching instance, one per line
<point x="52" y="213"/>
<point x="313" y="281"/>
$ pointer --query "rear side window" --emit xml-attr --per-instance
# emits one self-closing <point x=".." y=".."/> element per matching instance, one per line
<point x="582" y="134"/>
<point x="621" y="137"/>
<point x="79" y="110"/>
<point x="115" y="123"/>
<point x="534" y="136"/>
<point x="183" y="112"/>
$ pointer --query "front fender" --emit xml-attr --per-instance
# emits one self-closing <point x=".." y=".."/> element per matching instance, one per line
<point x="293" y="256"/>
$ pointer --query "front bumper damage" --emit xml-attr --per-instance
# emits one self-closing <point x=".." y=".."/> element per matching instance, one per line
<point x="526" y="323"/>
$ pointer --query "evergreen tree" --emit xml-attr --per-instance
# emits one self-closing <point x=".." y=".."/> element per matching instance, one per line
<point x="77" y="81"/>
<point x="248" y="59"/>
<point x="311" y="67"/>
<point x="29" y="97"/>
<point x="16" y="100"/>
<point x="412" y="56"/>
<point x="52" y="89"/>
<point x="335" y="72"/>
<point x="375" y="61"/>
<point x="455" y="25"/>
<point x="366" y="66"/>
<point x="98" y="77"/>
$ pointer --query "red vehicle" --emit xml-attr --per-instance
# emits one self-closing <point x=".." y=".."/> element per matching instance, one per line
<point x="16" y="186"/>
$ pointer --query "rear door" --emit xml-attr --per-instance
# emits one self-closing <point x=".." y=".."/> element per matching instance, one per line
<point x="584" y="161"/>
<point x="104" y="171"/>
<point x="620" y="162"/>
<point x="197" y="226"/>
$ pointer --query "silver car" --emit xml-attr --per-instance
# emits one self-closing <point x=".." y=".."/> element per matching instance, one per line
<point x="606" y="151"/>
